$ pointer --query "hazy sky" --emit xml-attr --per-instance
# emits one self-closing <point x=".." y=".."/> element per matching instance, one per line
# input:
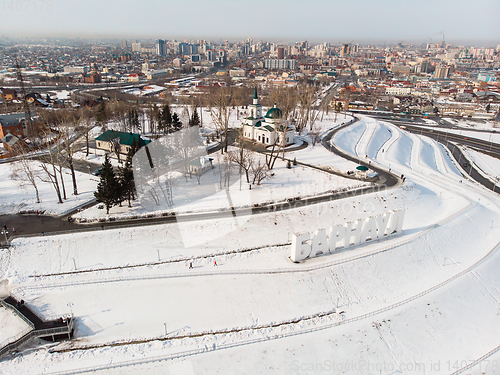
<point x="465" y="21"/>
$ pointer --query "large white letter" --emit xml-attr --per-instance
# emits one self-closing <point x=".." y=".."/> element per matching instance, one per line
<point x="300" y="248"/>
<point x="396" y="222"/>
<point x="382" y="222"/>
<point x="353" y="230"/>
<point x="369" y="229"/>
<point x="337" y="234"/>
<point x="319" y="243"/>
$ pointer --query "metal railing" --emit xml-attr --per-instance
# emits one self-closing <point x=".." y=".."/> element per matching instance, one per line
<point x="16" y="311"/>
<point x="29" y="333"/>
<point x="14" y="344"/>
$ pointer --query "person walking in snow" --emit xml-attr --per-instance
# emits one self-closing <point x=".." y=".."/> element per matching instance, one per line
<point x="215" y="263"/>
<point x="190" y="265"/>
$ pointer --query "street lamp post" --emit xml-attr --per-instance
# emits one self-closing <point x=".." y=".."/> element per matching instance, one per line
<point x="5" y="232"/>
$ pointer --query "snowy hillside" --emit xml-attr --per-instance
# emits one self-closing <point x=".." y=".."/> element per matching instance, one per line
<point x="425" y="301"/>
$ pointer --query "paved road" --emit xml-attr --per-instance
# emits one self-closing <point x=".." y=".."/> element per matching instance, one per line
<point x="442" y="136"/>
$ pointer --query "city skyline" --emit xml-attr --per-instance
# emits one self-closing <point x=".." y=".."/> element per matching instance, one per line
<point x="317" y="21"/>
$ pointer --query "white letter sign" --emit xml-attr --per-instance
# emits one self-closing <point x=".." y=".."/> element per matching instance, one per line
<point x="310" y="245"/>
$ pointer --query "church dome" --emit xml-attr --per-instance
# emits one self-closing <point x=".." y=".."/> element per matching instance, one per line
<point x="274" y="113"/>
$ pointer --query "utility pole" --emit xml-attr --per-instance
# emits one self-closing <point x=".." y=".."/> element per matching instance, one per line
<point x="5" y="232"/>
<point x="27" y="112"/>
<point x="70" y="309"/>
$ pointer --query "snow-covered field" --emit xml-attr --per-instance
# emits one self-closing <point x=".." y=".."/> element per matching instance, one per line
<point x="425" y="301"/>
<point x="210" y="195"/>
<point x="488" y="165"/>
<point x="11" y="325"/>
<point x="19" y="196"/>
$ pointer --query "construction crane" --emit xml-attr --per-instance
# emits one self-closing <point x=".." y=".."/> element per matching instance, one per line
<point x="27" y="112"/>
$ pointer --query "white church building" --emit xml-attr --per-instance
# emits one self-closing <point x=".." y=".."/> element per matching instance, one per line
<point x="268" y="129"/>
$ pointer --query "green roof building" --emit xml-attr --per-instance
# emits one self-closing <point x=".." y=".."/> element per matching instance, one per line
<point x="103" y="142"/>
<point x="269" y="129"/>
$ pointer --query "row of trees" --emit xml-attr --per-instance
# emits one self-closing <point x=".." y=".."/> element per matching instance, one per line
<point x="58" y="131"/>
<point x="154" y="118"/>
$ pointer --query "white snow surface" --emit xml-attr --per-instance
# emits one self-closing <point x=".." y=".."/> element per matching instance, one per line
<point x="425" y="301"/>
<point x="11" y="325"/>
<point x="21" y="196"/>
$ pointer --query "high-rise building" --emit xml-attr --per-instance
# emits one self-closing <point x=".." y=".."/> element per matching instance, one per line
<point x="281" y="53"/>
<point x="210" y="55"/>
<point x="136" y="47"/>
<point x="442" y="72"/>
<point x="222" y="56"/>
<point x="277" y="64"/>
<point x="345" y="50"/>
<point x="161" y="47"/>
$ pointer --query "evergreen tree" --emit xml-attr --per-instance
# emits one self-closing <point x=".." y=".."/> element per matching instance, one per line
<point x="133" y="119"/>
<point x="127" y="175"/>
<point x="134" y="146"/>
<point x="108" y="189"/>
<point x="176" y="122"/>
<point x="195" y="118"/>
<point x="166" y="119"/>
<point x="101" y="116"/>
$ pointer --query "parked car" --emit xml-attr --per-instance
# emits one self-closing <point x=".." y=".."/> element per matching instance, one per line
<point x="97" y="172"/>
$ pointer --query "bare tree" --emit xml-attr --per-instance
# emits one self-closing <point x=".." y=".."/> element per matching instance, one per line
<point x="86" y="126"/>
<point x="152" y="117"/>
<point x="220" y="106"/>
<point x="118" y="110"/>
<point x="306" y="115"/>
<point x="278" y="146"/>
<point x="53" y="160"/>
<point x="315" y="137"/>
<point x="259" y="172"/>
<point x="67" y="145"/>
<point x="338" y="108"/>
<point x="225" y="170"/>
<point x="243" y="158"/>
<point x="116" y="147"/>
<point x="287" y="97"/>
<point x="24" y="171"/>
<point x="51" y="172"/>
